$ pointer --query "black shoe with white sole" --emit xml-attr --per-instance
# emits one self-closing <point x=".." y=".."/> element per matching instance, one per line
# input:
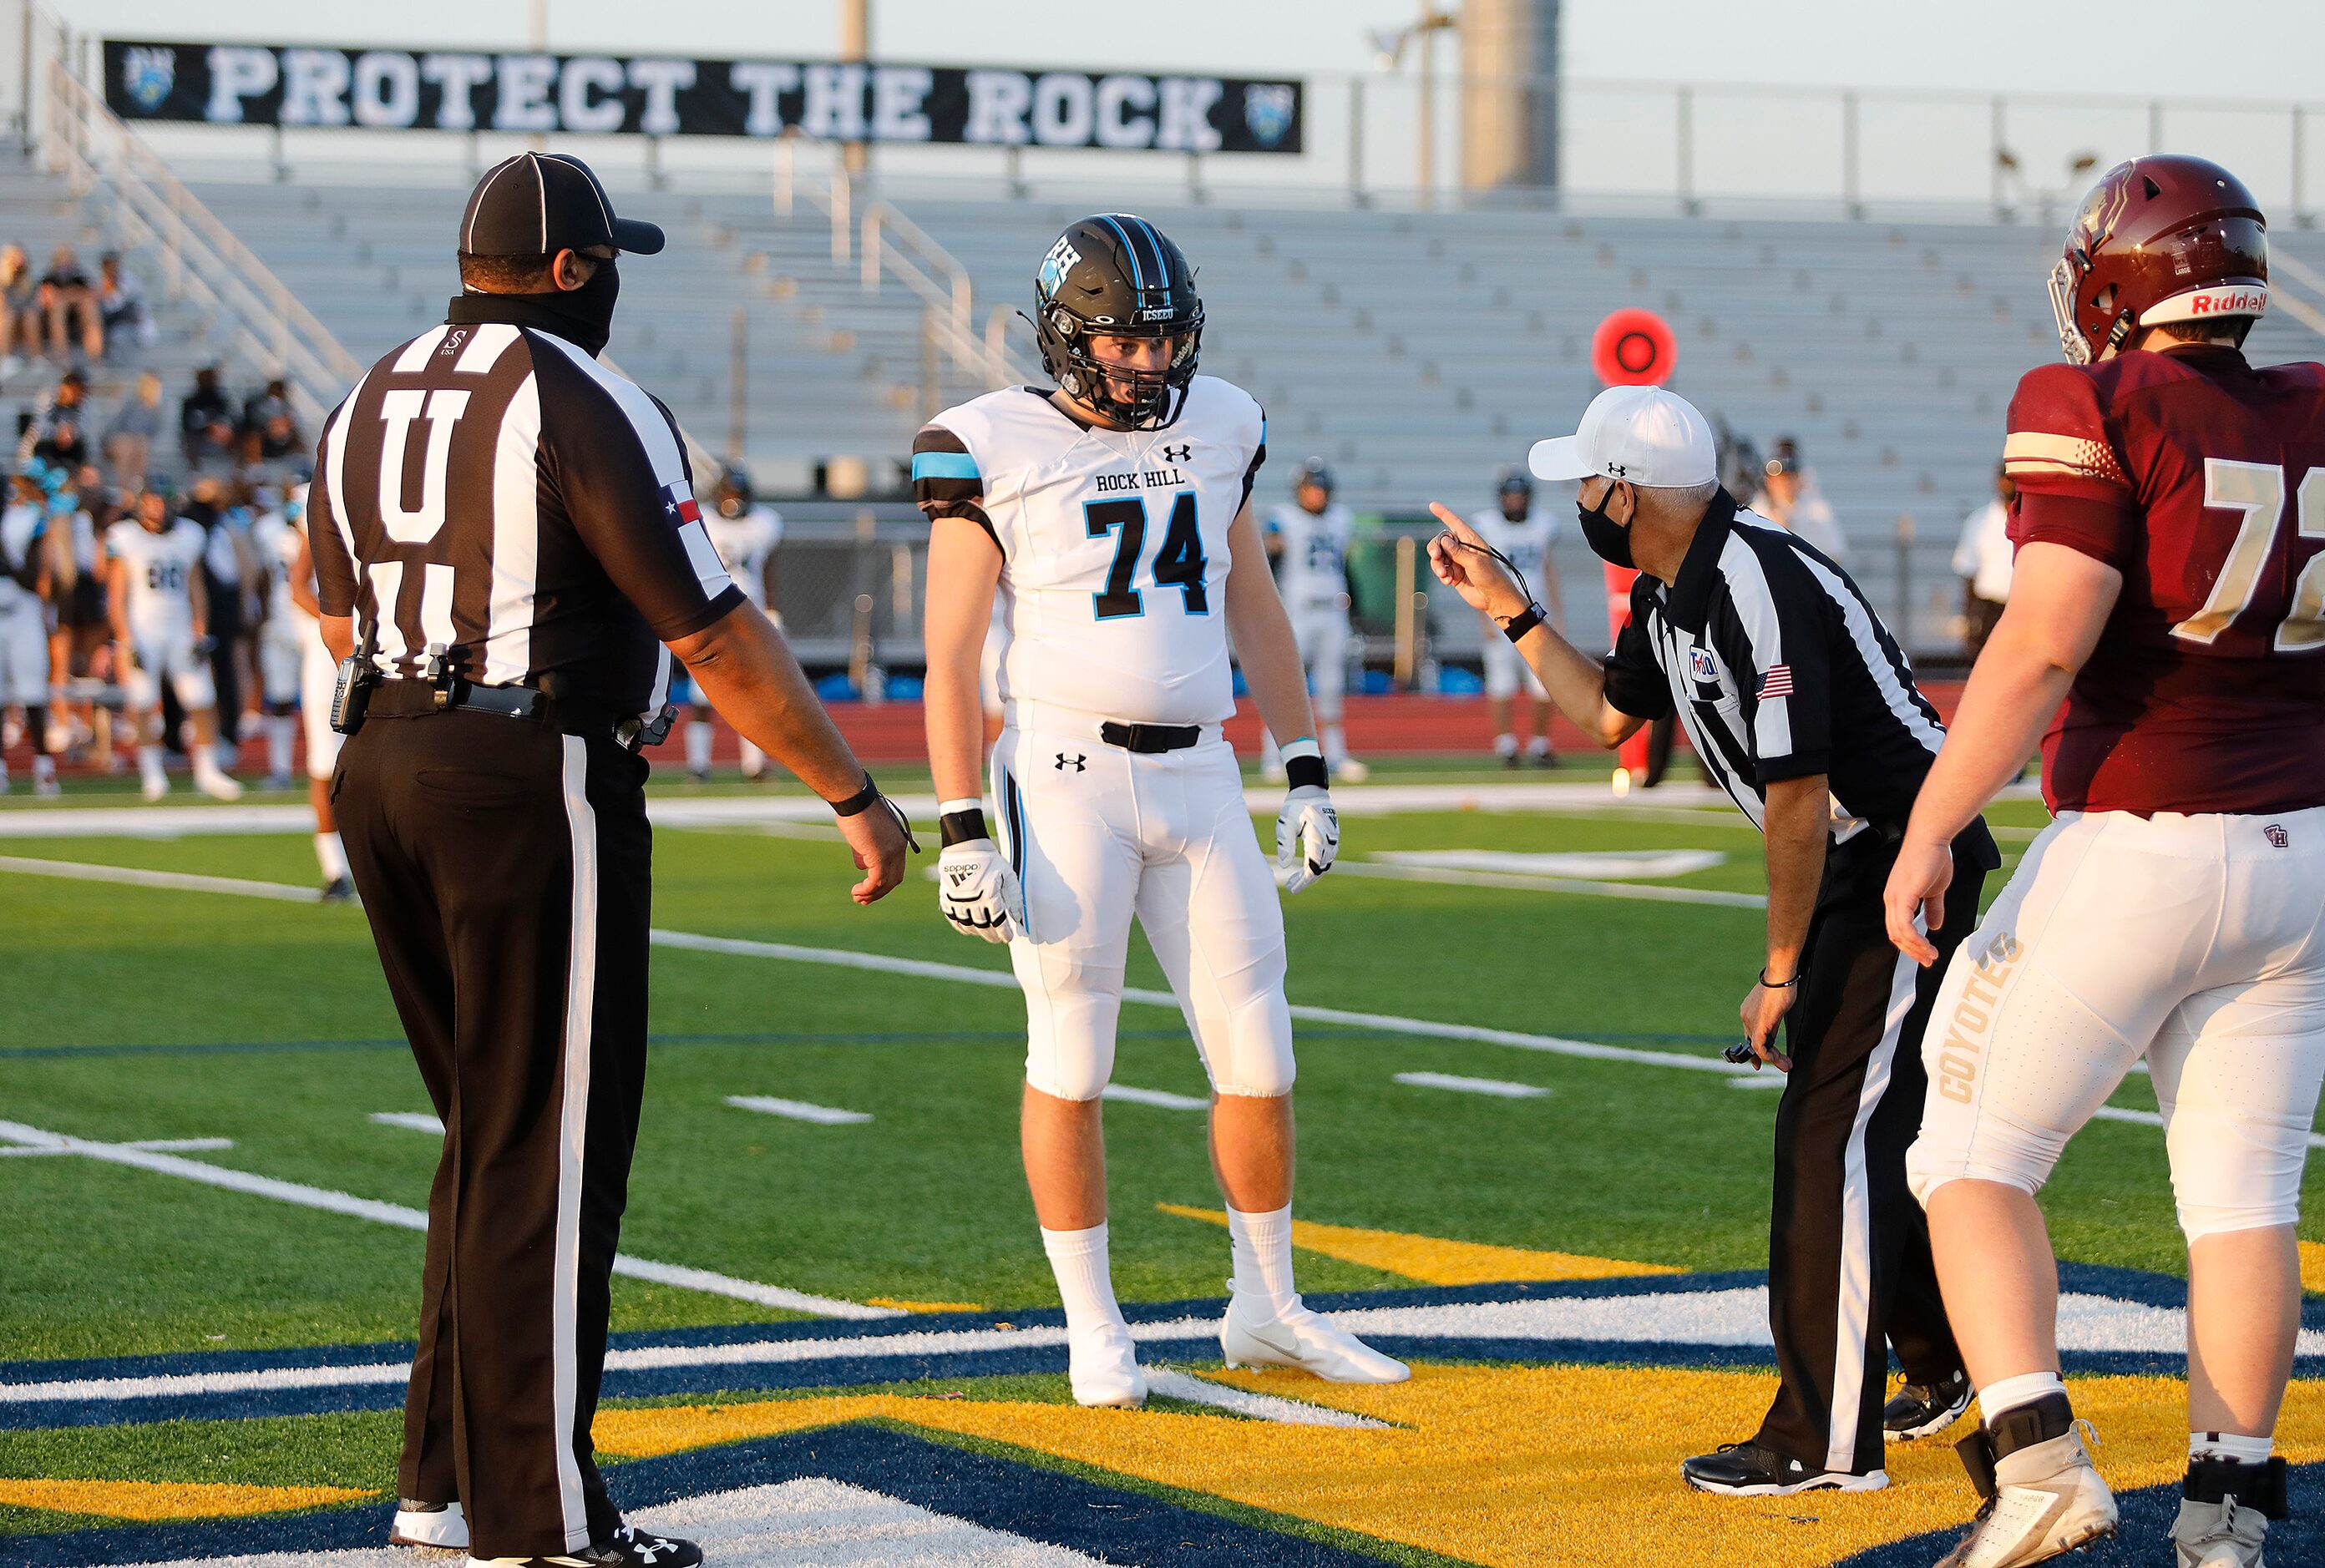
<point x="629" y="1548"/>
<point x="1925" y="1409"/>
<point x="1747" y="1470"/>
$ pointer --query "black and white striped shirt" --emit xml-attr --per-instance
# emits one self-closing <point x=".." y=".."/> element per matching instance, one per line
<point x="490" y="487"/>
<point x="1780" y="670"/>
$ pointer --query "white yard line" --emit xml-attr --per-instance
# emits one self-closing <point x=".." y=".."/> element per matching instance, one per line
<point x="1531" y="884"/>
<point x="798" y="1110"/>
<point x="180" y="881"/>
<point x="2155" y="1119"/>
<point x="396" y="1214"/>
<point x="1500" y="1088"/>
<point x="150" y="1145"/>
<point x="1197" y="1391"/>
<point x="1162" y="1098"/>
<point x="410" y="1121"/>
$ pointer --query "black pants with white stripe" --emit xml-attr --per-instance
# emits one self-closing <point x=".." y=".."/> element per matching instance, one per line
<point x="1849" y="1271"/>
<point x="505" y="869"/>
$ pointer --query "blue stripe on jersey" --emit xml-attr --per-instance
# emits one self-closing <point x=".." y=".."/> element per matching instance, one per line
<point x="1137" y="273"/>
<point x="944" y="466"/>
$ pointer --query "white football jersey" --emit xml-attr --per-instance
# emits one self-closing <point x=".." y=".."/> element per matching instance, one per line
<point x="1114" y="546"/>
<point x="278" y="541"/>
<point x="744" y="543"/>
<point x="1312" y="572"/>
<point x="160" y="566"/>
<point x="1526" y="543"/>
<point x="18" y="525"/>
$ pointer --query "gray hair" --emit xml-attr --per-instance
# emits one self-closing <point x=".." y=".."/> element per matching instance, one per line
<point x="1678" y="500"/>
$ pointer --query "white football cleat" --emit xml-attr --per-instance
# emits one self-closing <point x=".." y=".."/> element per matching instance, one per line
<point x="212" y="781"/>
<point x="438" y="1525"/>
<point x="1348" y="771"/>
<point x="2218" y="1535"/>
<point x="154" y="785"/>
<point x="1305" y="1341"/>
<point x="1271" y="772"/>
<point x="2048" y="1501"/>
<point x="1102" y="1365"/>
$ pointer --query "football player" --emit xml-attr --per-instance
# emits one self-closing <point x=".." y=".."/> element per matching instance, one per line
<point x="1524" y="533"/>
<point x="23" y="618"/>
<point x="1112" y="516"/>
<point x="159" y="610"/>
<point x="282" y="639"/>
<point x="2170" y="591"/>
<point x="745" y="531"/>
<point x="1309" y="542"/>
<point x="318" y="679"/>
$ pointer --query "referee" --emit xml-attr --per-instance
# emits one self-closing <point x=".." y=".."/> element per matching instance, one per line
<point x="1800" y="706"/>
<point x="514" y="526"/>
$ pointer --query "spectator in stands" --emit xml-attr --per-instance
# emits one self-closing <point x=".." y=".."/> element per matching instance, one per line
<point x="121" y="304"/>
<point x="1788" y="498"/>
<point x="1982" y="561"/>
<point x="67" y="296"/>
<point x="57" y="433"/>
<point x="205" y="422"/>
<point x="129" y="437"/>
<point x="270" y="434"/>
<point x="80" y="645"/>
<point x="20" y="310"/>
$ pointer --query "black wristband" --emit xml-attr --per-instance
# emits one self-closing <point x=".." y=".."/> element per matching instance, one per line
<point x="1524" y="621"/>
<point x="962" y="826"/>
<point x="858" y="802"/>
<point x="1778" y="984"/>
<point x="1306" y="773"/>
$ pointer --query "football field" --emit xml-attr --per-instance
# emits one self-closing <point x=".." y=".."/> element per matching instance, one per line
<point x="1521" y="1164"/>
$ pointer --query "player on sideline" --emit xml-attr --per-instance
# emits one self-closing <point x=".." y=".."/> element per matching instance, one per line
<point x="25" y="589"/>
<point x="1524" y="533"/>
<point x="2170" y="589"/>
<point x="1113" y="519"/>
<point x="1309" y="542"/>
<point x="282" y="639"/>
<point x="153" y="584"/>
<point x="744" y="533"/>
<point x="317" y="675"/>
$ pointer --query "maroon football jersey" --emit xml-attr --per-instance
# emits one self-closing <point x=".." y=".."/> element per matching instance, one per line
<point x="2202" y="481"/>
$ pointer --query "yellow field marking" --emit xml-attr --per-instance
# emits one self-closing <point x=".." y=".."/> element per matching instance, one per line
<point x="164" y="1500"/>
<point x="2312" y="1266"/>
<point x="1434" y="1260"/>
<point x="1486" y="1464"/>
<point x="895" y="1304"/>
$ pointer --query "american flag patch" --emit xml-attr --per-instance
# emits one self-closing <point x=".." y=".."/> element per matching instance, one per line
<point x="1777" y="682"/>
<point x="677" y="507"/>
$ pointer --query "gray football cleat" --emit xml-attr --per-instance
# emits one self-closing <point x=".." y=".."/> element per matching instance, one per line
<point x="2043" y="1496"/>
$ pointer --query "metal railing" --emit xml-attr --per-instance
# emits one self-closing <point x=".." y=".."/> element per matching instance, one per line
<point x="882" y="243"/>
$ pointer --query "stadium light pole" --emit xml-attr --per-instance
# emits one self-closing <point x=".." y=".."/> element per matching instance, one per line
<point x="1389" y="43"/>
<point x="855" y="46"/>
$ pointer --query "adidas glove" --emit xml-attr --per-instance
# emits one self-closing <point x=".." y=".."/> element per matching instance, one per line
<point x="1307" y="837"/>
<point x="979" y="891"/>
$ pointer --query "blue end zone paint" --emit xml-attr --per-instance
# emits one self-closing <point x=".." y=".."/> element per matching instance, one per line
<point x="2147" y="1513"/>
<point x="837" y="1369"/>
<point x="1021" y="1500"/>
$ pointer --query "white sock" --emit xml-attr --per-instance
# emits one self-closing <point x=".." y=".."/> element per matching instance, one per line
<point x="1998" y="1398"/>
<point x="1085" y="1280"/>
<point x="1506" y="744"/>
<point x="1539" y="746"/>
<point x="2228" y="1445"/>
<point x="1335" y="745"/>
<point x="279" y="732"/>
<point x="1262" y="1245"/>
<point x="44" y="765"/>
<point x="330" y="856"/>
<point x="149" y="761"/>
<point x="755" y="760"/>
<point x="698" y="745"/>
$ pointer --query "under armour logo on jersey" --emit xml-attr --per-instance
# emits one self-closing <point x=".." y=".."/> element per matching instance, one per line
<point x="1179" y="454"/>
<point x="1078" y="762"/>
<point x="2276" y="835"/>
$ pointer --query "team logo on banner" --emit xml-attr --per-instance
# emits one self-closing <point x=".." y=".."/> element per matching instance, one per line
<point x="1268" y="109"/>
<point x="147" y="75"/>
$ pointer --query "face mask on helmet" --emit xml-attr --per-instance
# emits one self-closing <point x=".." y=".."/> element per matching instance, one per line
<point x="1116" y="276"/>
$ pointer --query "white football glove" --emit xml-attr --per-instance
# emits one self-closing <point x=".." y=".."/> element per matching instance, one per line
<point x="1307" y="837"/>
<point x="979" y="890"/>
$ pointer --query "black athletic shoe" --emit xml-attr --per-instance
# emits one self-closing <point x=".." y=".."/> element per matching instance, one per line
<point x="630" y="1547"/>
<point x="1747" y="1470"/>
<point x="1925" y="1409"/>
<point x="339" y="890"/>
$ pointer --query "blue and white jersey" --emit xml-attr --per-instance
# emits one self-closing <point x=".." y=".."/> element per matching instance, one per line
<point x="1312" y="571"/>
<point x="159" y="576"/>
<point x="1114" y="545"/>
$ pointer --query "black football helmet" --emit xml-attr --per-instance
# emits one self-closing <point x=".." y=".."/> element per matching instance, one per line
<point x="1313" y="472"/>
<point x="1116" y="275"/>
<point x="732" y="495"/>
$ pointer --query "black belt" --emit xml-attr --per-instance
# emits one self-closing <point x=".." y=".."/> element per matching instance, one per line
<point x="407" y="699"/>
<point x="1150" y="738"/>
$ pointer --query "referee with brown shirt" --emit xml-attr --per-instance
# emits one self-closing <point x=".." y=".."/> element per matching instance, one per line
<point x="513" y="527"/>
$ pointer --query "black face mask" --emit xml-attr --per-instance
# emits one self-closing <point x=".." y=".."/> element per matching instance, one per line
<point x="586" y="313"/>
<point x="1602" y="533"/>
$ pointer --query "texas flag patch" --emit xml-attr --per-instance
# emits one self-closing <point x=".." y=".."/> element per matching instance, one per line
<point x="1777" y="682"/>
<point x="677" y="507"/>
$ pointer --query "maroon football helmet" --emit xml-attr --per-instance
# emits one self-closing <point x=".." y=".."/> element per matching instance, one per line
<point x="2162" y="238"/>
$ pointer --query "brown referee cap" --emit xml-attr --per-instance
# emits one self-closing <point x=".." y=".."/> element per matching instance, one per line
<point x="537" y="204"/>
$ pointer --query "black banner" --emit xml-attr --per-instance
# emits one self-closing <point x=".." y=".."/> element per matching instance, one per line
<point x="396" y="89"/>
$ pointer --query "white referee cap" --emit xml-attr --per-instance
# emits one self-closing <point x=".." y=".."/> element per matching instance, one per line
<point x="1642" y="435"/>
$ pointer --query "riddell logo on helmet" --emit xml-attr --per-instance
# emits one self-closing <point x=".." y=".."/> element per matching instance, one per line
<point x="1965" y="1041"/>
<point x="2228" y="302"/>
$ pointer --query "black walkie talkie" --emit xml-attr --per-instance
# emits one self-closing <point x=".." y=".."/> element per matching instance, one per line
<point x="357" y="674"/>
